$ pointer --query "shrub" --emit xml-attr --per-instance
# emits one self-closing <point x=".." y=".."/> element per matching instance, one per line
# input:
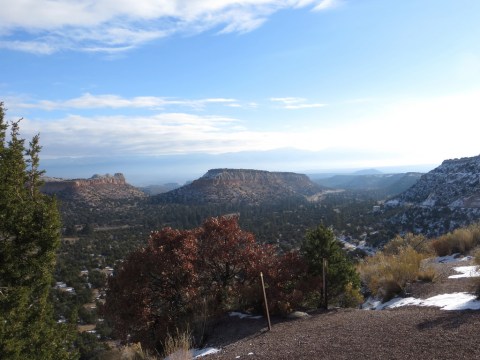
<point x="417" y="242"/>
<point x="427" y="275"/>
<point x="351" y="296"/>
<point x="387" y="275"/>
<point x="178" y="346"/>
<point x="476" y="256"/>
<point x="441" y="246"/>
<point x="475" y="230"/>
<point x="459" y="241"/>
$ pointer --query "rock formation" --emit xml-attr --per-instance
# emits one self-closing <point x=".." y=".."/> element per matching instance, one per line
<point x="242" y="186"/>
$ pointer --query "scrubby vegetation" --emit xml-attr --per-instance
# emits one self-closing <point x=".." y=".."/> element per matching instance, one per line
<point x="387" y="275"/>
<point x="388" y="272"/>
<point x="459" y="241"/>
<point x="168" y="290"/>
<point x="184" y="279"/>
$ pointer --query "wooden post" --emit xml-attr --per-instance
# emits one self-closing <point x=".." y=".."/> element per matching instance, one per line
<point x="266" y="303"/>
<point x="324" y="275"/>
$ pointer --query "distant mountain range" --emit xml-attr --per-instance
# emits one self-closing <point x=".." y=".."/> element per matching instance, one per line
<point x="388" y="184"/>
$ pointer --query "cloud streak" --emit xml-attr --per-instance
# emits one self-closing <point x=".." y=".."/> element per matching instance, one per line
<point x="295" y="103"/>
<point x="109" y="26"/>
<point x="160" y="134"/>
<point x="399" y="134"/>
<point x="90" y="101"/>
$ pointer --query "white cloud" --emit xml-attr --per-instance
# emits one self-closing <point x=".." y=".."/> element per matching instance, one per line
<point x="408" y="132"/>
<point x="295" y="103"/>
<point x="46" y="26"/>
<point x="327" y="4"/>
<point x="89" y="101"/>
<point x="34" y="47"/>
<point x="419" y="131"/>
<point x="160" y="134"/>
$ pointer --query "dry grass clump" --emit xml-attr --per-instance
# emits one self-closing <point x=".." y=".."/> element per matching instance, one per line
<point x="417" y="242"/>
<point x="387" y="275"/>
<point x="476" y="259"/>
<point x="178" y="346"/>
<point x="459" y="241"/>
<point x="476" y="256"/>
<point x="427" y="275"/>
<point x="130" y="352"/>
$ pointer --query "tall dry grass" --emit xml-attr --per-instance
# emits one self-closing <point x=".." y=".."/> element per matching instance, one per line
<point x="387" y="275"/>
<point x="178" y="346"/>
<point x="417" y="242"/>
<point x="458" y="241"/>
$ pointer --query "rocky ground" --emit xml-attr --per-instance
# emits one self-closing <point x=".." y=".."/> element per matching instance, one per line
<point x="402" y="333"/>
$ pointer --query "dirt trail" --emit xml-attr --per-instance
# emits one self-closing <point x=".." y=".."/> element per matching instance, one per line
<point x="403" y="333"/>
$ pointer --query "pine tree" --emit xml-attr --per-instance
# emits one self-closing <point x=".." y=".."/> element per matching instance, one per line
<point x="29" y="238"/>
<point x="320" y="243"/>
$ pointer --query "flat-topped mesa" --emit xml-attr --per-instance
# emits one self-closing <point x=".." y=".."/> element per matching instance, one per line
<point x="248" y="175"/>
<point x="117" y="179"/>
<point x="92" y="190"/>
<point x="55" y="185"/>
<point x="243" y="186"/>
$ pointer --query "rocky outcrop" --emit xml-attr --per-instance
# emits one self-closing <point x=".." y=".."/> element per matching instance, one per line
<point x="242" y="186"/>
<point x="455" y="183"/>
<point x="94" y="190"/>
<point x="442" y="200"/>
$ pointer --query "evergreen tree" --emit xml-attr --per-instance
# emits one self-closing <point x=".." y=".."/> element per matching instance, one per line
<point x="320" y="243"/>
<point x="29" y="238"/>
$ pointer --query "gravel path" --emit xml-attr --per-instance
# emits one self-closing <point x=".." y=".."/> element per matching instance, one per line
<point x="405" y="333"/>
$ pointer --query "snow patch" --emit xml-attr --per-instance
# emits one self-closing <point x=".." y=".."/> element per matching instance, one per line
<point x="465" y="272"/>
<point x="192" y="353"/>
<point x="452" y="258"/>
<point x="454" y="301"/>
<point x="244" y="316"/>
<point x="203" y="352"/>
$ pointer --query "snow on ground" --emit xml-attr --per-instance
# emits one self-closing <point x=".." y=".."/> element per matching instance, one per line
<point x="465" y="272"/>
<point x="454" y="301"/>
<point x="203" y="352"/>
<point x="452" y="258"/>
<point x="244" y="316"/>
<point x="192" y="353"/>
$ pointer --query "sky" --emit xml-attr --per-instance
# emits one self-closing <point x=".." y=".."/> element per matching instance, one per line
<point x="163" y="90"/>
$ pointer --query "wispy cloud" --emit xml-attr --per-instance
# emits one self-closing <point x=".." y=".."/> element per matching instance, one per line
<point x="89" y="101"/>
<point x="394" y="132"/>
<point x="159" y="134"/>
<point x="113" y="26"/>
<point x="295" y="103"/>
<point x="327" y="4"/>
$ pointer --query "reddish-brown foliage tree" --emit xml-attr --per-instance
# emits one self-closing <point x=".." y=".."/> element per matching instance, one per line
<point x="154" y="288"/>
<point x="160" y="288"/>
<point x="227" y="256"/>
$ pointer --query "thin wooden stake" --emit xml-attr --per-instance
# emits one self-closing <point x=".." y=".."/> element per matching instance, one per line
<point x="266" y="303"/>
<point x="324" y="273"/>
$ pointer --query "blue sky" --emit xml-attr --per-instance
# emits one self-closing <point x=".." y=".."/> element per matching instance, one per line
<point x="163" y="90"/>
